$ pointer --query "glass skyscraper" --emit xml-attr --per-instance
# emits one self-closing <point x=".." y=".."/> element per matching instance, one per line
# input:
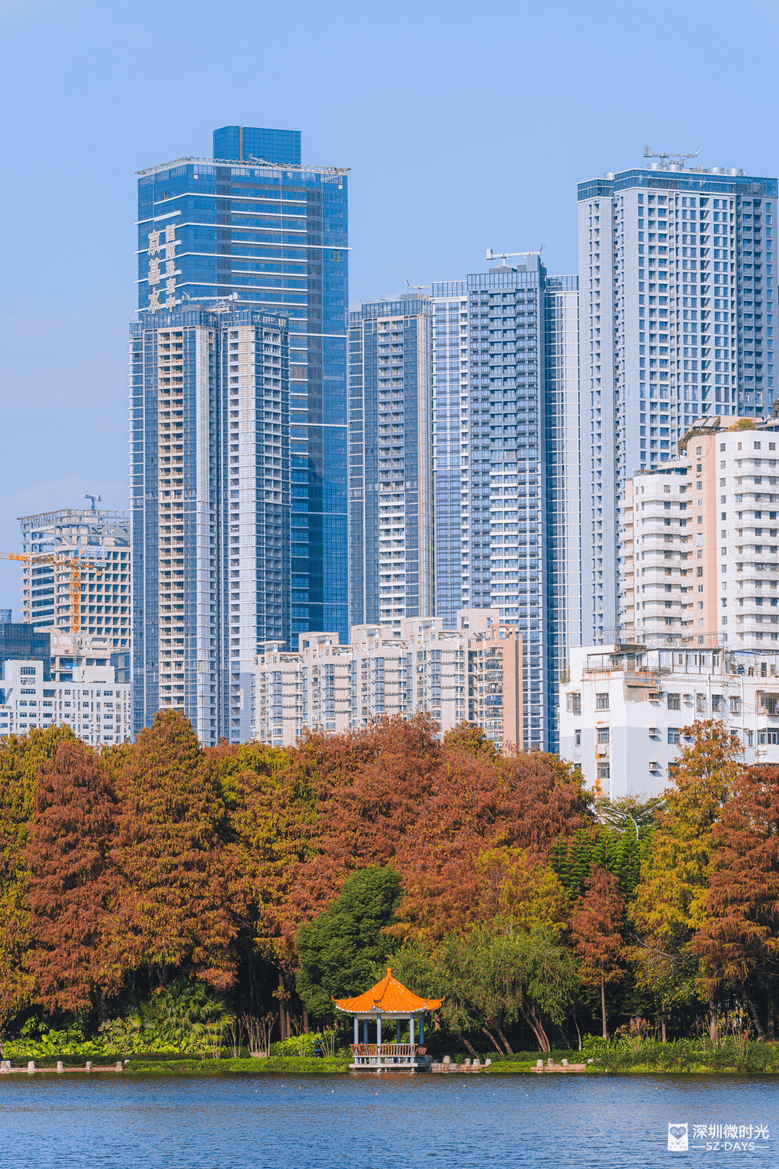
<point x="678" y="305"/>
<point x="504" y="394"/>
<point x="231" y="235"/>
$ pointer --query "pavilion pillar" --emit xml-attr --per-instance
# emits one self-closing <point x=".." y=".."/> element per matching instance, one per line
<point x="356" y="1030"/>
<point x="411" y="1030"/>
<point x="378" y="1030"/>
<point x="421" y="1029"/>
<point x="365" y="1030"/>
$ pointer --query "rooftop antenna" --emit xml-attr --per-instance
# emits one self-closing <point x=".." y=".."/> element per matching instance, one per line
<point x="665" y="156"/>
<point x="95" y="499"/>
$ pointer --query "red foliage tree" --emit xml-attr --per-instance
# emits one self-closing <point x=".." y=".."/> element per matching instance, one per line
<point x="172" y="913"/>
<point x="73" y="881"/>
<point x="596" y="929"/>
<point x="740" y="935"/>
<point x="21" y="758"/>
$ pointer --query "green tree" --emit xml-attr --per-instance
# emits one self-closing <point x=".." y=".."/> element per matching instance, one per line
<point x="670" y="902"/>
<point x="339" y="949"/>
<point x="492" y="978"/>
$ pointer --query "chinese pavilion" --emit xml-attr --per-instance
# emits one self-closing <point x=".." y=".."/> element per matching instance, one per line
<point x="386" y="1002"/>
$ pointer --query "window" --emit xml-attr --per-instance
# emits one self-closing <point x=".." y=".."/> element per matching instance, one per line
<point x="717" y="703"/>
<point x="768" y="737"/>
<point x="574" y="703"/>
<point x="603" y="734"/>
<point x="700" y="703"/>
<point x="604" y="771"/>
<point x="601" y="702"/>
<point x="674" y="702"/>
<point x="673" y="735"/>
<point x="735" y="705"/>
<point x="577" y="738"/>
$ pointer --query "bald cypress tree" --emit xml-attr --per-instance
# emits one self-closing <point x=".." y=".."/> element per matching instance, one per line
<point x="72" y="881"/>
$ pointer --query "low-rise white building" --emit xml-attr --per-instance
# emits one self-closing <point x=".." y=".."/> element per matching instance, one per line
<point x="472" y="673"/>
<point x="93" y="704"/>
<point x="624" y="708"/>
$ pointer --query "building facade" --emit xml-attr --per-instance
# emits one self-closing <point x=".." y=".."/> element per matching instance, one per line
<point x="504" y="391"/>
<point x="391" y="512"/>
<point x="700" y="537"/>
<point x="625" y="708"/>
<point x="472" y="673"/>
<point x="212" y="477"/>
<point x="102" y="540"/>
<point x="274" y="237"/>
<point x="678" y="300"/>
<point x="19" y="642"/>
<point x="93" y="704"/>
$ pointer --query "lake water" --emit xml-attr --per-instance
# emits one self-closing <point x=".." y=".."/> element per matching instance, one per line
<point x="377" y="1122"/>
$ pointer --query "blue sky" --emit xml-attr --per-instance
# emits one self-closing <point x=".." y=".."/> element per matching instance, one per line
<point x="466" y="126"/>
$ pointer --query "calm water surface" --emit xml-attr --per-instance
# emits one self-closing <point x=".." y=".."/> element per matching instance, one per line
<point x="374" y="1123"/>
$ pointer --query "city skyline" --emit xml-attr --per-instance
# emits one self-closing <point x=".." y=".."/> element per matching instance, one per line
<point x="105" y="75"/>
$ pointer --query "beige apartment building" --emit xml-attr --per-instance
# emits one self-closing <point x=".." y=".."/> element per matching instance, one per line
<point x="472" y="673"/>
<point x="699" y="540"/>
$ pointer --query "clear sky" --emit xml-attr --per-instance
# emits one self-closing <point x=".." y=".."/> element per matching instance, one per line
<point x="465" y="125"/>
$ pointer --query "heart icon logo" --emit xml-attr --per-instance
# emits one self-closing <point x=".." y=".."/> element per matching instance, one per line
<point x="677" y="1130"/>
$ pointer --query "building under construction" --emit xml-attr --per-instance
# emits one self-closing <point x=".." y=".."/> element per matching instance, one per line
<point x="76" y="585"/>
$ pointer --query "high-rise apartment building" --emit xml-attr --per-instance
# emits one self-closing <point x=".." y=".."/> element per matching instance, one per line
<point x="273" y="236"/>
<point x="678" y="299"/>
<point x="391" y="528"/>
<point x="700" y="538"/>
<point x="243" y="289"/>
<point x="505" y="454"/>
<point x="213" y="542"/>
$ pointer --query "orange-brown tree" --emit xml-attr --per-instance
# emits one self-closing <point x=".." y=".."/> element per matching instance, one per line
<point x="172" y="914"/>
<point x="21" y="757"/>
<point x="73" y="886"/>
<point x="739" y="938"/>
<point x="596" y="930"/>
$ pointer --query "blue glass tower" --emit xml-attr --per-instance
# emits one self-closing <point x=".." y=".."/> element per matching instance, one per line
<point x="274" y="237"/>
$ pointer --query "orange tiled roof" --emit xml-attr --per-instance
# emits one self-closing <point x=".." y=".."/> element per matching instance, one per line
<point x="389" y="996"/>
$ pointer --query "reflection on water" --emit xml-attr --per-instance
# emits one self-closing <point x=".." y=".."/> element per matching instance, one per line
<point x="372" y="1122"/>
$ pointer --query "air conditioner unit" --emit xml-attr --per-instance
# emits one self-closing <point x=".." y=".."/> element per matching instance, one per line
<point x="653" y="766"/>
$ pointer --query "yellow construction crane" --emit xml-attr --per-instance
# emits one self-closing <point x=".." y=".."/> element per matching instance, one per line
<point x="75" y="564"/>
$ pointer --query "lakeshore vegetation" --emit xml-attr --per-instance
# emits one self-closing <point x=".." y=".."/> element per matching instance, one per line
<point x="161" y="897"/>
